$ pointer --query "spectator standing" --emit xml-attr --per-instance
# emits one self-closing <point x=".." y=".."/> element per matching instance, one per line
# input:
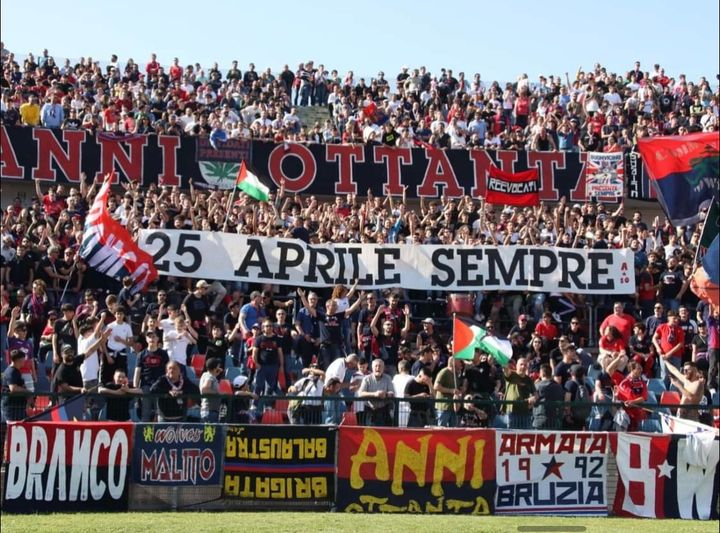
<point x="622" y="321"/>
<point x="550" y="393"/>
<point x="377" y="388"/>
<point x="118" y="397"/>
<point x="14" y="401"/>
<point x="669" y="342"/>
<point x="691" y="384"/>
<point x="520" y="389"/>
<point x="449" y="385"/>
<point x="631" y="392"/>
<point x="173" y="407"/>
<point x="151" y="365"/>
<point x="210" y="389"/>
<point x="579" y="395"/>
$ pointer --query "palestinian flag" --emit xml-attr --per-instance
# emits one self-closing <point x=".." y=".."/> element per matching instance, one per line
<point x="251" y="185"/>
<point x="500" y="349"/>
<point x="466" y="337"/>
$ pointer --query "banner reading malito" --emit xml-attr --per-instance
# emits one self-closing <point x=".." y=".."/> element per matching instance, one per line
<point x="178" y="454"/>
<point x="553" y="473"/>
<point x="605" y="175"/>
<point x="385" y="470"/>
<point x="61" y="467"/>
<point x="291" y="467"/>
<point x="228" y="256"/>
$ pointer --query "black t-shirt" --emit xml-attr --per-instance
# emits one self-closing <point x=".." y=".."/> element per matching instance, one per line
<point x="301" y="233"/>
<point x="11" y="402"/>
<point x="364" y="320"/>
<point x="671" y="283"/>
<point x="65" y="333"/>
<point x="217" y="348"/>
<point x="562" y="370"/>
<point x="20" y="269"/>
<point x="118" y="407"/>
<point x="640" y="345"/>
<point x="152" y="366"/>
<point x="197" y="308"/>
<point x="69" y="374"/>
<point x="413" y="388"/>
<point x="268" y="349"/>
<point x="330" y="328"/>
<point x="173" y="407"/>
<point x="481" y="379"/>
<point x="283" y="331"/>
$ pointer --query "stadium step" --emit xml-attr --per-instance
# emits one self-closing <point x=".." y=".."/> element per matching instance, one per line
<point x="310" y="115"/>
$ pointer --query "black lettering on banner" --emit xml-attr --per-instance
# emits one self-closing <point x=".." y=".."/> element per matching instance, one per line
<point x="596" y="271"/>
<point x="340" y="254"/>
<point x="384" y="266"/>
<point x="254" y="247"/>
<point x="567" y="273"/>
<point x="538" y="269"/>
<point x="162" y="266"/>
<point x="469" y="261"/>
<point x="495" y="264"/>
<point x="355" y="252"/>
<point x="438" y="264"/>
<point x="182" y="249"/>
<point x="285" y="261"/>
<point x="323" y="268"/>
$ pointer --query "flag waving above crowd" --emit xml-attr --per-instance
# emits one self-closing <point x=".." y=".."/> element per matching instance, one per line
<point x="508" y="188"/>
<point x="109" y="248"/>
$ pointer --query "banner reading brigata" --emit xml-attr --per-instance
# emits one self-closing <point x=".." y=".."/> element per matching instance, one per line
<point x="666" y="476"/>
<point x="388" y="470"/>
<point x="232" y="257"/>
<point x="280" y="466"/>
<point x="178" y="454"/>
<point x="53" y="467"/>
<point x="554" y="473"/>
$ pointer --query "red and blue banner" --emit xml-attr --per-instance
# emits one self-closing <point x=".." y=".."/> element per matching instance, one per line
<point x="685" y="171"/>
<point x="70" y="409"/>
<point x="666" y="476"/>
<point x="67" y="467"/>
<point x="280" y="467"/>
<point x="392" y="470"/>
<point x="178" y="454"/>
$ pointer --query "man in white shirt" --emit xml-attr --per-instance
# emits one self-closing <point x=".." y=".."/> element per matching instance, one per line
<point x="91" y="338"/>
<point x="400" y="381"/>
<point x="343" y="369"/>
<point x="118" y="341"/>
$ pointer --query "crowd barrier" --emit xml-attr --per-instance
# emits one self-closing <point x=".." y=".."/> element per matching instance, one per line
<point x="86" y="466"/>
<point x="335" y="169"/>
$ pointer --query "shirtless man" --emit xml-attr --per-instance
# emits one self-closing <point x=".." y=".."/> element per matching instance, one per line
<point x="691" y="385"/>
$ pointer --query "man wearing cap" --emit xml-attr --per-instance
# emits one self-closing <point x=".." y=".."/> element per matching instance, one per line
<point x="428" y="336"/>
<point x="68" y="379"/>
<point x="523" y="329"/>
<point x="239" y="411"/>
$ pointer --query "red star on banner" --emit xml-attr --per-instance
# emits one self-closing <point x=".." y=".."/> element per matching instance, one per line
<point x="552" y="467"/>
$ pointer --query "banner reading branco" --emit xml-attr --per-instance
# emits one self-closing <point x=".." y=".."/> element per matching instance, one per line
<point x="387" y="470"/>
<point x="291" y="467"/>
<point x="232" y="257"/>
<point x="61" y="467"/>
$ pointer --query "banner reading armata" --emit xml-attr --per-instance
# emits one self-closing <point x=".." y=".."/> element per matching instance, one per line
<point x="232" y="257"/>
<point x="553" y="473"/>
<point x="290" y="467"/>
<point x="388" y="470"/>
<point x="61" y="467"/>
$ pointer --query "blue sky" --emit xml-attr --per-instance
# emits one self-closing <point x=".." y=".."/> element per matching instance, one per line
<point x="498" y="39"/>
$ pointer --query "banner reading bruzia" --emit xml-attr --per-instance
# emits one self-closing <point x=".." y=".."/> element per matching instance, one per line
<point x="605" y="175"/>
<point x="290" y="467"/>
<point x="227" y="256"/>
<point x="61" y="467"/>
<point x="178" y="454"/>
<point x="552" y="473"/>
<point x="61" y="156"/>
<point x="385" y="470"/>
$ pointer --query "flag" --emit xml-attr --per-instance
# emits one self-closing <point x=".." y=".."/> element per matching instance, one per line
<point x="680" y="426"/>
<point x="108" y="247"/>
<point x="466" y="338"/>
<point x="251" y="185"/>
<point x="70" y="410"/>
<point x="665" y="476"/>
<point x="375" y="114"/>
<point x="711" y="227"/>
<point x="706" y="279"/>
<point x="519" y="189"/>
<point x="684" y="171"/>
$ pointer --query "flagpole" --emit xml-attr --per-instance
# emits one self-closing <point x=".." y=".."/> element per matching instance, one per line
<point x="705" y="225"/>
<point x="232" y="196"/>
<point x="68" y="281"/>
<point x="452" y="367"/>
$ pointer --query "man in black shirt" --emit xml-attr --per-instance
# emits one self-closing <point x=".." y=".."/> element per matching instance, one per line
<point x="67" y="379"/>
<point x="13" y="405"/>
<point x="65" y="333"/>
<point x="198" y="309"/>
<point x="173" y="407"/>
<point x="150" y="367"/>
<point x="419" y="388"/>
<point x="269" y="360"/>
<point x="119" y="395"/>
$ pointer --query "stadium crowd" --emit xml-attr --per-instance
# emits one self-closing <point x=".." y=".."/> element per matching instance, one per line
<point x="184" y="337"/>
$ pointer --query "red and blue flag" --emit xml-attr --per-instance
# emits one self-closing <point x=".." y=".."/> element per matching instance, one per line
<point x="684" y="171"/>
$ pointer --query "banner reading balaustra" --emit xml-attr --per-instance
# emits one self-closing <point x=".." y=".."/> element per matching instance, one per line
<point x="387" y="470"/>
<point x="551" y="473"/>
<point x="61" y="467"/>
<point x="283" y="467"/>
<point x="232" y="257"/>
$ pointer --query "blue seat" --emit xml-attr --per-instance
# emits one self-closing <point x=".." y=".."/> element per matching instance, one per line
<point x="657" y="386"/>
<point x="231" y="373"/>
<point x="593" y="373"/>
<point x="229" y="361"/>
<point x="650" y="426"/>
<point x="652" y="398"/>
<point x="500" y="422"/>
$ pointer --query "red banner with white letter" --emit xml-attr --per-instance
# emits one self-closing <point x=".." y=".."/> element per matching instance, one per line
<point x="513" y="188"/>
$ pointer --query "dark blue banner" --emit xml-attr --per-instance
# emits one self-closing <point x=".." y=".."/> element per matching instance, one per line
<point x="178" y="454"/>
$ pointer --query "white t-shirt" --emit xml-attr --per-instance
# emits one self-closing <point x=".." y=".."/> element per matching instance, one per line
<point x="118" y="330"/>
<point x="168" y="326"/>
<point x="336" y="369"/>
<point x="90" y="367"/>
<point x="177" y="346"/>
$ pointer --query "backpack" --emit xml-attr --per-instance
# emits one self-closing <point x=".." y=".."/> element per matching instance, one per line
<point x="581" y="404"/>
<point x="295" y="404"/>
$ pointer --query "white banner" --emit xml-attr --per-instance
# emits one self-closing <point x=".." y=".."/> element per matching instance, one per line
<point x="232" y="257"/>
<point x="553" y="473"/>
<point x="605" y="175"/>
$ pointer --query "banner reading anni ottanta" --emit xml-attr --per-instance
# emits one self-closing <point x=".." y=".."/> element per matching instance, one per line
<point x="232" y="257"/>
<point x="384" y="470"/>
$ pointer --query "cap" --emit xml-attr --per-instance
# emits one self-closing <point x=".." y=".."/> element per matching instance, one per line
<point x="201" y="284"/>
<point x="239" y="381"/>
<point x="67" y="349"/>
<point x="522" y="317"/>
<point x="256" y="325"/>
<point x="429" y="321"/>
